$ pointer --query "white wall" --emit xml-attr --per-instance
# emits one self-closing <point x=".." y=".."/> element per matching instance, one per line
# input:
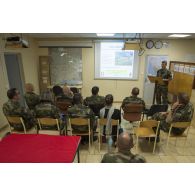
<point x="177" y="50"/>
<point x="30" y="67"/>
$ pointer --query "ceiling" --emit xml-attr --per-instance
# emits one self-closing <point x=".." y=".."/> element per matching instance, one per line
<point x="116" y="36"/>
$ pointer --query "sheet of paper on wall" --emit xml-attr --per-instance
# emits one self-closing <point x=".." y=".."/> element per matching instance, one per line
<point x="176" y="68"/>
<point x="181" y="68"/>
<point x="187" y="69"/>
<point x="192" y="70"/>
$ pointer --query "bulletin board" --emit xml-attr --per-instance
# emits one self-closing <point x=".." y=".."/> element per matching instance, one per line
<point x="182" y="82"/>
<point x="183" y="67"/>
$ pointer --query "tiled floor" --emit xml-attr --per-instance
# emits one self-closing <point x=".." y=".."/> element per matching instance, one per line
<point x="172" y="154"/>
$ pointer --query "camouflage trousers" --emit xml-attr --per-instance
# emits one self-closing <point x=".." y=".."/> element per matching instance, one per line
<point x="162" y="92"/>
<point x="165" y="126"/>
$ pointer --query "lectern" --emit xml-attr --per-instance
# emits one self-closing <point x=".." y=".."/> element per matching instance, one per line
<point x="156" y="80"/>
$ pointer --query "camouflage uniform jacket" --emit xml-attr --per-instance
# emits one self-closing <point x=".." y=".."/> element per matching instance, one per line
<point x="48" y="110"/>
<point x="94" y="99"/>
<point x="81" y="111"/>
<point x="13" y="108"/>
<point x="165" y="74"/>
<point x="32" y="99"/>
<point x="134" y="100"/>
<point x="123" y="157"/>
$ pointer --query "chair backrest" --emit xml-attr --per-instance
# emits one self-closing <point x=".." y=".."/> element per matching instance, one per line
<point x="181" y="124"/>
<point x="63" y="106"/>
<point x="133" y="108"/>
<point x="79" y="121"/>
<point x="103" y="122"/>
<point x="133" y="112"/>
<point x="157" y="108"/>
<point x="149" y="123"/>
<point x="51" y="122"/>
<point x="96" y="108"/>
<point x="16" y="120"/>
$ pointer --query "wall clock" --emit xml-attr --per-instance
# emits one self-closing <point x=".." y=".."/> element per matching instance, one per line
<point x="149" y="44"/>
<point x="158" y="44"/>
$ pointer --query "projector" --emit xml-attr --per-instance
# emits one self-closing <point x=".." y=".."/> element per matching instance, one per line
<point x="133" y="41"/>
<point x="16" y="42"/>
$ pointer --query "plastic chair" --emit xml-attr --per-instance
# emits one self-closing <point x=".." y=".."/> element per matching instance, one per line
<point x="185" y="125"/>
<point x="16" y="120"/>
<point x="145" y="130"/>
<point x="102" y="122"/>
<point x="49" y="122"/>
<point x="81" y="122"/>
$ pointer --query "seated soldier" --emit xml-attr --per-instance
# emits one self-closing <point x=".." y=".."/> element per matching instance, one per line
<point x="110" y="112"/>
<point x="78" y="110"/>
<point x="94" y="98"/>
<point x="64" y="95"/>
<point x="57" y="91"/>
<point x="124" y="155"/>
<point x="181" y="111"/>
<point x="46" y="109"/>
<point x="133" y="98"/>
<point x="95" y="101"/>
<point x="31" y="98"/>
<point x="13" y="108"/>
<point x="67" y="92"/>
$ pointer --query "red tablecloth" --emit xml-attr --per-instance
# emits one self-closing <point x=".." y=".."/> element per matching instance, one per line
<point x="31" y="148"/>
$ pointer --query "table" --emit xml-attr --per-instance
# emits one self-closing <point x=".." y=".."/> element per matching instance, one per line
<point x="33" y="148"/>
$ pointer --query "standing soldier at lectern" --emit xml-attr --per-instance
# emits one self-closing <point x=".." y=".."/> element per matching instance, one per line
<point x="162" y="89"/>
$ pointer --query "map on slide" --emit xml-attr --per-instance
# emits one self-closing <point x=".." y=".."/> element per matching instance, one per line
<point x="115" y="62"/>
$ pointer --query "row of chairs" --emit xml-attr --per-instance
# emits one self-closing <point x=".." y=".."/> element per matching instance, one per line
<point x="72" y="121"/>
<point x="145" y="129"/>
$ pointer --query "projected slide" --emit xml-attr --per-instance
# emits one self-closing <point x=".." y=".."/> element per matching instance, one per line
<point x="115" y="62"/>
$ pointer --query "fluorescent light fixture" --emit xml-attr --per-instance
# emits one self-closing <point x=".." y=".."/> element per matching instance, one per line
<point x="179" y="35"/>
<point x="105" y="34"/>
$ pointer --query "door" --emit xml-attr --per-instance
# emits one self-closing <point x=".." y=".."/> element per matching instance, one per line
<point x="15" y="73"/>
<point x="153" y="63"/>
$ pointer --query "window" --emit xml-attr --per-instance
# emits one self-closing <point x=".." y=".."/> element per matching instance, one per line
<point x="112" y="62"/>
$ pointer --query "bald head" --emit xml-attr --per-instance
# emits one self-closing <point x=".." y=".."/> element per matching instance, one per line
<point x="183" y="98"/>
<point x="135" y="91"/>
<point x="125" y="142"/>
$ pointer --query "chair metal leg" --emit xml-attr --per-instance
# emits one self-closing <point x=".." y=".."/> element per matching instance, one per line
<point x="99" y="139"/>
<point x="154" y="145"/>
<point x="168" y="140"/>
<point x="89" y="143"/>
<point x="136" y="143"/>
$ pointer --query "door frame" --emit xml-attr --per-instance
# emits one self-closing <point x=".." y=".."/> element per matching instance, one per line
<point x="21" y="68"/>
